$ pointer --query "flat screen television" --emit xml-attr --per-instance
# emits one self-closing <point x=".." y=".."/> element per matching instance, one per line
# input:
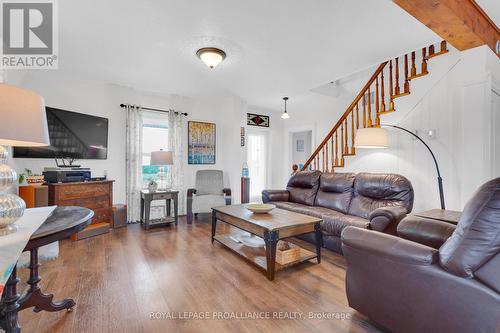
<point x="72" y="135"/>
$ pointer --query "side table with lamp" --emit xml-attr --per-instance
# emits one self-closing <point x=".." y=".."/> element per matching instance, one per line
<point x="163" y="192"/>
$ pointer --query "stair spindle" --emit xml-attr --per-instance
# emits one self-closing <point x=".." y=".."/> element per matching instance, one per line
<point x="431" y="50"/>
<point x="369" y="108"/>
<point x="341" y="144"/>
<point x="396" y="89"/>
<point x="377" y="109"/>
<point x="353" y="150"/>
<point x="407" y="83"/>
<point x="323" y="161"/>
<point x="357" y="116"/>
<point x="413" y="70"/>
<point x="382" y="96"/>
<point x="333" y="153"/>
<point x="326" y="160"/>
<point x="424" y="62"/>
<point x="336" y="148"/>
<point x="391" y="89"/>
<point x="364" y="111"/>
<point x="346" y="148"/>
<point x="443" y="47"/>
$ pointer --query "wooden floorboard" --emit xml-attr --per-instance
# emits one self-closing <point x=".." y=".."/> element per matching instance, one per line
<point x="118" y="279"/>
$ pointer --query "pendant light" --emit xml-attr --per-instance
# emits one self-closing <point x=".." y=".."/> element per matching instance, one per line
<point x="285" y="114"/>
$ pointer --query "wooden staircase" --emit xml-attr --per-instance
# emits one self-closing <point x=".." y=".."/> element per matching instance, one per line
<point x="375" y="99"/>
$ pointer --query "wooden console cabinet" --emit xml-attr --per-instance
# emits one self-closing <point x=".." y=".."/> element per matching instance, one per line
<point x="97" y="196"/>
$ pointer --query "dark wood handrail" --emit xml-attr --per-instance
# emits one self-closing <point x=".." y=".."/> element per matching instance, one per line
<point x="349" y="109"/>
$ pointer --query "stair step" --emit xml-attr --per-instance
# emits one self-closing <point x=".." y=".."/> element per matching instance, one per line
<point x="349" y="154"/>
<point x="387" y="111"/>
<point x="436" y="54"/>
<point x="418" y="75"/>
<point x="400" y="95"/>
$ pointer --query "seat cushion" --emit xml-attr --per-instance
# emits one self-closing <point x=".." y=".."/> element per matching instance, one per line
<point x="205" y="203"/>
<point x="335" y="191"/>
<point x="303" y="187"/>
<point x="334" y="222"/>
<point x="302" y="209"/>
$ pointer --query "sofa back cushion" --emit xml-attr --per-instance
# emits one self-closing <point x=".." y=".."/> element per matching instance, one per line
<point x="477" y="236"/>
<point x="335" y="191"/>
<point x="374" y="190"/>
<point x="303" y="187"/>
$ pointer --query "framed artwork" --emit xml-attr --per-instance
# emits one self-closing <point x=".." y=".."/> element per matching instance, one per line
<point x="201" y="143"/>
<point x="257" y="120"/>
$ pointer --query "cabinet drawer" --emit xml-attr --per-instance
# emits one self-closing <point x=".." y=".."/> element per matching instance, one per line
<point x="160" y="196"/>
<point x="102" y="215"/>
<point x="83" y="191"/>
<point x="91" y="203"/>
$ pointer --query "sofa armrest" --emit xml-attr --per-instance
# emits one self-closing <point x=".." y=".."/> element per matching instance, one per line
<point x="384" y="217"/>
<point x="191" y="192"/>
<point x="425" y="231"/>
<point x="227" y="195"/>
<point x="387" y="247"/>
<point x="275" y="195"/>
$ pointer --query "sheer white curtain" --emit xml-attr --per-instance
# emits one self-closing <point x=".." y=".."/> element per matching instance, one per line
<point x="177" y="134"/>
<point x="134" y="162"/>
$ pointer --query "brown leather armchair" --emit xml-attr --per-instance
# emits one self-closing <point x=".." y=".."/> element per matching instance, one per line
<point x="409" y="287"/>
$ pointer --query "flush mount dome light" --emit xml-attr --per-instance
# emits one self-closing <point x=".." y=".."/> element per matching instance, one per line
<point x="211" y="56"/>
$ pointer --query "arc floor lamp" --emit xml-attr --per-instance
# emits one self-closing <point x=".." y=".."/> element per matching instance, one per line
<point x="376" y="137"/>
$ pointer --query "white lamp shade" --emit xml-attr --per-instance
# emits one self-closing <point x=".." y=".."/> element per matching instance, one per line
<point x="373" y="137"/>
<point x="162" y="157"/>
<point x="23" y="122"/>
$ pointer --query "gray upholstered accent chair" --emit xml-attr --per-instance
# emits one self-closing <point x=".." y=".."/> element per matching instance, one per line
<point x="209" y="192"/>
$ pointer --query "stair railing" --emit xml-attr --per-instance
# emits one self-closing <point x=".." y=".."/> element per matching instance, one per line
<point x="375" y="99"/>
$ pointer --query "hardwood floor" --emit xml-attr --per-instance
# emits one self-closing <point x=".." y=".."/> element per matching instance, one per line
<point x="118" y="279"/>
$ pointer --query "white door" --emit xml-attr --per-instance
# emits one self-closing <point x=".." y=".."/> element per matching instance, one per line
<point x="257" y="160"/>
<point x="495" y="108"/>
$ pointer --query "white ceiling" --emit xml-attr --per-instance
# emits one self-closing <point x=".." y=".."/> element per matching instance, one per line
<point x="274" y="48"/>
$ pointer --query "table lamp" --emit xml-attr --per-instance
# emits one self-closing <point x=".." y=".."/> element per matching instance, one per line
<point x="23" y="123"/>
<point x="162" y="158"/>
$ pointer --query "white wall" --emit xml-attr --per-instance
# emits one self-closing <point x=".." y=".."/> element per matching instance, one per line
<point x="457" y="104"/>
<point x="228" y="112"/>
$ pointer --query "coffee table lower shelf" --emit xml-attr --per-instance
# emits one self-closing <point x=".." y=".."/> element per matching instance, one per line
<point x="257" y="255"/>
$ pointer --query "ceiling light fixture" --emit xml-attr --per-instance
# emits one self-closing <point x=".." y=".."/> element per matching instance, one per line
<point x="211" y="56"/>
<point x="285" y="114"/>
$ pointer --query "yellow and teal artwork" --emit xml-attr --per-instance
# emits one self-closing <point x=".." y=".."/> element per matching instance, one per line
<point x="201" y="143"/>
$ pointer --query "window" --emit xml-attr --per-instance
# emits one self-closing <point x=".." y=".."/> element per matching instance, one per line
<point x="257" y="162"/>
<point x="154" y="137"/>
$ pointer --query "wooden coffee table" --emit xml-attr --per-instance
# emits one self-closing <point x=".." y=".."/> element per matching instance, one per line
<point x="277" y="225"/>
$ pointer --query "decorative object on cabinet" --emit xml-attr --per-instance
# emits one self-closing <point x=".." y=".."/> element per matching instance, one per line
<point x="23" y="123"/>
<point x="257" y="120"/>
<point x="201" y="143"/>
<point x="97" y="196"/>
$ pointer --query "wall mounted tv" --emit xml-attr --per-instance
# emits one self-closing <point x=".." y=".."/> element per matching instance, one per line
<point x="72" y="135"/>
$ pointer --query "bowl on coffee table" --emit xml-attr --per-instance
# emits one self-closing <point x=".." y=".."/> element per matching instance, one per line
<point x="259" y="208"/>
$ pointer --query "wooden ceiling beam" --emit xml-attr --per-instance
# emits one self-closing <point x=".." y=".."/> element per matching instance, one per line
<point x="462" y="23"/>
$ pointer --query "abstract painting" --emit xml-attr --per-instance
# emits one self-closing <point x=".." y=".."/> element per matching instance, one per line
<point x="201" y="143"/>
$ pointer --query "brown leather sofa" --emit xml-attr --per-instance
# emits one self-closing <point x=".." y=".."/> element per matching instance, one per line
<point x="364" y="200"/>
<point x="409" y="287"/>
